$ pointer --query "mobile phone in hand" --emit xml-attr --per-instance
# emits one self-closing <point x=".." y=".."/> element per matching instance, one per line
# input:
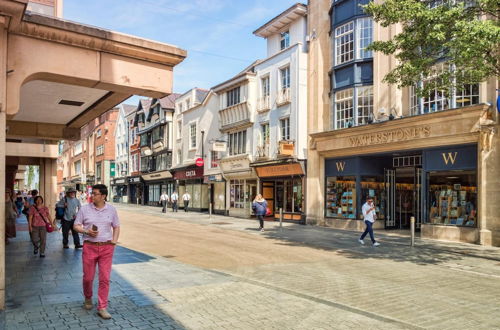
<point x="94" y="227"/>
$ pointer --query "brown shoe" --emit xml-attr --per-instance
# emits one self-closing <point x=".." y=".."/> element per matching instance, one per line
<point x="88" y="304"/>
<point x="103" y="313"/>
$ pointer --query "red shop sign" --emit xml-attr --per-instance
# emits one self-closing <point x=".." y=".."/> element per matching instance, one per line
<point x="199" y="162"/>
<point x="192" y="173"/>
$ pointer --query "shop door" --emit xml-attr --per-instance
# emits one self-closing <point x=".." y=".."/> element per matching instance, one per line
<point x="390" y="192"/>
<point x="268" y="194"/>
<point x="419" y="197"/>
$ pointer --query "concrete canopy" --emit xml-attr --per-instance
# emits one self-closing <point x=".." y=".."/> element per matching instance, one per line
<point x="64" y="74"/>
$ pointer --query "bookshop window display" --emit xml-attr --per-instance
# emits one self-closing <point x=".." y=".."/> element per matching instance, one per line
<point x="453" y="198"/>
<point x="341" y="197"/>
<point x="374" y="187"/>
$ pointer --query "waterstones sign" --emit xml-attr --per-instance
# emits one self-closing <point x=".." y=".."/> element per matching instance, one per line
<point x="396" y="135"/>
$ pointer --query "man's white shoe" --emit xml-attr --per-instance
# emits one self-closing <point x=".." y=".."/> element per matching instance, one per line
<point x="376" y="244"/>
<point x="361" y="242"/>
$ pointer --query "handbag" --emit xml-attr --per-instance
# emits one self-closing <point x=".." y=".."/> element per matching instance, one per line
<point x="268" y="211"/>
<point x="48" y="225"/>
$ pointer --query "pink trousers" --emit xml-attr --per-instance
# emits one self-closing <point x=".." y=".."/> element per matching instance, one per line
<point x="97" y="255"/>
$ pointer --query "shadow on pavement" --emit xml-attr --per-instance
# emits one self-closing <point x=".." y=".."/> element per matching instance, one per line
<point x="47" y="292"/>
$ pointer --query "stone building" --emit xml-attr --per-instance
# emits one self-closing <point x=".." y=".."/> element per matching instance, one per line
<point x="434" y="158"/>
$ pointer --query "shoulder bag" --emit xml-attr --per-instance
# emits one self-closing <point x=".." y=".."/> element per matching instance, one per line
<point x="48" y="225"/>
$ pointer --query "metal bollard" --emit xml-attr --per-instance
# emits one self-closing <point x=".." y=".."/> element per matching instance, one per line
<point x="210" y="211"/>
<point x="412" y="230"/>
<point x="281" y="219"/>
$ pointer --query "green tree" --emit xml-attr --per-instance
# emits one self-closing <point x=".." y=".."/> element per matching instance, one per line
<point x="454" y="31"/>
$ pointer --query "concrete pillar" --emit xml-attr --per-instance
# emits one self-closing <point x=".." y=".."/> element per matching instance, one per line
<point x="48" y="183"/>
<point x="3" y="100"/>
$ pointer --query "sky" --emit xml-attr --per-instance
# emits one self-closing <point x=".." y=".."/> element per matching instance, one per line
<point x="217" y="34"/>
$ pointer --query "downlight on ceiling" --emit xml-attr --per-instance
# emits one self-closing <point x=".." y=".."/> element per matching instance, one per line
<point x="72" y="103"/>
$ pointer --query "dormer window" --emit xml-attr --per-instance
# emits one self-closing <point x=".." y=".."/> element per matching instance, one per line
<point x="284" y="40"/>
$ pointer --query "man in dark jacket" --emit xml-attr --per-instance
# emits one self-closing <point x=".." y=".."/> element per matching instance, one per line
<point x="259" y="207"/>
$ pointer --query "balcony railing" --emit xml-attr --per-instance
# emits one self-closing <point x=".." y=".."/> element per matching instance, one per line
<point x="263" y="151"/>
<point x="283" y="96"/>
<point x="234" y="115"/>
<point x="264" y="103"/>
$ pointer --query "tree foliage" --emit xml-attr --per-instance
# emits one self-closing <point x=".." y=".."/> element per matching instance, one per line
<point x="464" y="34"/>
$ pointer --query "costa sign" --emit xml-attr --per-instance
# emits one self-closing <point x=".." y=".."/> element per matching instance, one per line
<point x="191" y="173"/>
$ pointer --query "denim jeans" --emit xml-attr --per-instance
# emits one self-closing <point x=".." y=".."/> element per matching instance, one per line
<point x="368" y="230"/>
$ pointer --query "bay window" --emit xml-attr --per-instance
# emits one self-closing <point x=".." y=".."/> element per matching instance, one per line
<point x="353" y="107"/>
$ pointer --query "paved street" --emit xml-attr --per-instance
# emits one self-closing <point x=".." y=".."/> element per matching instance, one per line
<point x="189" y="271"/>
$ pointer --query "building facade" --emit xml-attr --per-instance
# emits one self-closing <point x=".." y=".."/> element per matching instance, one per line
<point x="434" y="158"/>
<point x="280" y="134"/>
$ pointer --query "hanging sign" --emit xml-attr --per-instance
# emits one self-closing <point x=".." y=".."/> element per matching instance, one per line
<point x="199" y="162"/>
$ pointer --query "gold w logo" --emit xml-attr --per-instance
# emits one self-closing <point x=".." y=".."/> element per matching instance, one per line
<point x="340" y="166"/>
<point x="449" y="157"/>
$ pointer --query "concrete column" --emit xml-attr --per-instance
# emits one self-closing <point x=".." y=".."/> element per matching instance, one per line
<point x="3" y="100"/>
<point x="48" y="183"/>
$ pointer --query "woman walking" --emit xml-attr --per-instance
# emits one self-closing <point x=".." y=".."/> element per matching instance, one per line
<point x="10" y="216"/>
<point x="39" y="216"/>
<point x="259" y="207"/>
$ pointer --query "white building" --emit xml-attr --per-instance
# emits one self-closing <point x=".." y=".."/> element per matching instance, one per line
<point x="280" y="126"/>
<point x="191" y="123"/>
<point x="119" y="183"/>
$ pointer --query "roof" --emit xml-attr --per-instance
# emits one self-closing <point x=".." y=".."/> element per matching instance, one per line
<point x="128" y="109"/>
<point x="144" y="104"/>
<point x="282" y="20"/>
<point x="168" y="102"/>
<point x="200" y="95"/>
<point x="248" y="70"/>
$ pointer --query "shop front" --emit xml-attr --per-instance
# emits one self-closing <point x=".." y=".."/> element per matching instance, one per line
<point x="241" y="185"/>
<point x="190" y="179"/>
<point x="155" y="184"/>
<point x="119" y="188"/>
<point x="282" y="186"/>
<point x="135" y="190"/>
<point x="428" y="168"/>
<point x="216" y="193"/>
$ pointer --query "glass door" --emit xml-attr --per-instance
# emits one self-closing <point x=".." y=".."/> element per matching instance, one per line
<point x="390" y="188"/>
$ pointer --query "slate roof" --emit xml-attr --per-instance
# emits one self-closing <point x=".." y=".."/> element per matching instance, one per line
<point x="168" y="102"/>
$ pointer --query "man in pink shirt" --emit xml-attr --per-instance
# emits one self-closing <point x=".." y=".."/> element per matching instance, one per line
<point x="98" y="222"/>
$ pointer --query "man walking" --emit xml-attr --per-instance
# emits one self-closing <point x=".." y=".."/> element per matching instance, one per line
<point x="174" y="199"/>
<point x="71" y="207"/>
<point x="164" y="200"/>
<point x="369" y="215"/>
<point x="99" y="222"/>
<point x="186" y="198"/>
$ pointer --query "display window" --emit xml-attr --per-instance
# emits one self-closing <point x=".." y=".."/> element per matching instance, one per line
<point x="453" y="198"/>
<point x="154" y="194"/>
<point x="341" y="197"/>
<point x="374" y="187"/>
<point x="242" y="193"/>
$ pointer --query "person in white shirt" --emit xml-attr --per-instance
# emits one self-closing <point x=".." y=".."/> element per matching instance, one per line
<point x="174" y="198"/>
<point x="164" y="200"/>
<point x="186" y="198"/>
<point x="369" y="215"/>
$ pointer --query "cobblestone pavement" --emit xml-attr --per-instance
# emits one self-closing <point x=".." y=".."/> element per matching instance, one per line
<point x="300" y="277"/>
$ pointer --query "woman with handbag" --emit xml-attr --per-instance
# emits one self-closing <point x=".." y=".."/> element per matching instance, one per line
<point x="259" y="207"/>
<point x="39" y="223"/>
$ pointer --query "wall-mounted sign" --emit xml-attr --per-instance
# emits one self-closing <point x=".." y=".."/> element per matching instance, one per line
<point x="157" y="176"/>
<point x="191" y="173"/>
<point x="236" y="165"/>
<point x="286" y="148"/>
<point x="219" y="146"/>
<point x="395" y="135"/>
<point x="279" y="170"/>
<point x="199" y="162"/>
<point x="134" y="180"/>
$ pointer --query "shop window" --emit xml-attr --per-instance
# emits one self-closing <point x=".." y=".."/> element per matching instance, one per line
<point x="233" y="96"/>
<point x="285" y="129"/>
<point x="453" y="198"/>
<point x="341" y="197"/>
<point x="284" y="40"/>
<point x="374" y="187"/>
<point x="237" y="142"/>
<point x="344" y="43"/>
<point x="237" y="192"/>
<point x="364" y="37"/>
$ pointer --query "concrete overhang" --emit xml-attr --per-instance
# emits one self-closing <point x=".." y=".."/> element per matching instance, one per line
<point x="277" y="24"/>
<point x="34" y="150"/>
<point x="65" y="73"/>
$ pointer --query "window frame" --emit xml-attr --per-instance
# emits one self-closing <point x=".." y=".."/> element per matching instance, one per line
<point x="343" y="36"/>
<point x="193" y="139"/>
<point x="285" y="129"/>
<point x="285" y="77"/>
<point x="233" y="96"/>
<point x="237" y="142"/>
<point x="284" y="39"/>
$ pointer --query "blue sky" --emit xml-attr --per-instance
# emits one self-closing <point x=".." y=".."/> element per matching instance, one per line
<point x="216" y="33"/>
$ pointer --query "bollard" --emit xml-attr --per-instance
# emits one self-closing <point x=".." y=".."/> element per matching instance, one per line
<point x="281" y="219"/>
<point x="210" y="211"/>
<point x="412" y="229"/>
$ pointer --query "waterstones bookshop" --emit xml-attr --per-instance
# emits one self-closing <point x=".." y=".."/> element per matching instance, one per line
<point x="427" y="168"/>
